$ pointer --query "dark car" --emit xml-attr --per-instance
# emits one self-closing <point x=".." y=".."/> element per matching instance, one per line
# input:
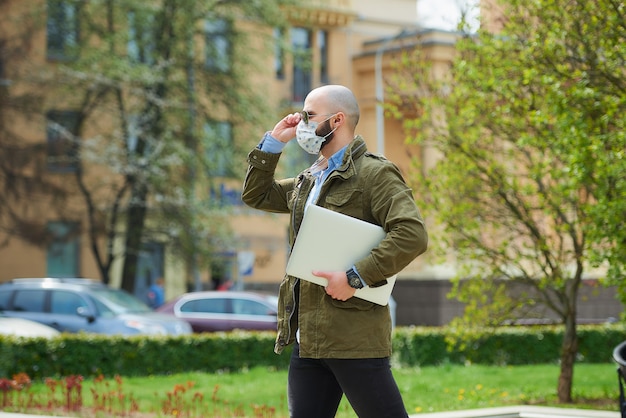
<point x="224" y="310"/>
<point x="83" y="305"/>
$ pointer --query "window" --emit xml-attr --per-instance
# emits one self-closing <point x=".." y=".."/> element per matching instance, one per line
<point x="29" y="300"/>
<point x="63" y="251"/>
<point x="134" y="130"/>
<point x="217" y="48"/>
<point x="103" y="310"/>
<point x="66" y="303"/>
<point x="141" y="47"/>
<point x="301" y="43"/>
<point x="218" y="148"/>
<point x="63" y="144"/>
<point x="279" y="54"/>
<point x="139" y="130"/>
<point x="249" y="307"/>
<point x="218" y="306"/>
<point x="61" y="30"/>
<point x="322" y="45"/>
<point x="4" y="300"/>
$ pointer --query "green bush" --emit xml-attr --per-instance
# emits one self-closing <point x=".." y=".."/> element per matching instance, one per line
<point x="92" y="355"/>
<point x="503" y="345"/>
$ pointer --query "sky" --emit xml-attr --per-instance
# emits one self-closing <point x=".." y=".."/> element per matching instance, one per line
<point x="445" y="14"/>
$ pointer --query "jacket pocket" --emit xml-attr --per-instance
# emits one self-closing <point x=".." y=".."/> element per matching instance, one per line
<point x="346" y="201"/>
<point x="353" y="303"/>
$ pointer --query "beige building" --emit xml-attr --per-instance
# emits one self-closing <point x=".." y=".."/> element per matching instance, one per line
<point x="362" y="53"/>
<point x="352" y="42"/>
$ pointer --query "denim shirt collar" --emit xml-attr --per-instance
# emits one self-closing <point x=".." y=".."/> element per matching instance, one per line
<point x="336" y="159"/>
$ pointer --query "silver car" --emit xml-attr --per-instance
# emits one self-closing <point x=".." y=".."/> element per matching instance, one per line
<point x="83" y="305"/>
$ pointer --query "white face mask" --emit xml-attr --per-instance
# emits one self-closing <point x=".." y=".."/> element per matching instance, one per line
<point x="308" y="139"/>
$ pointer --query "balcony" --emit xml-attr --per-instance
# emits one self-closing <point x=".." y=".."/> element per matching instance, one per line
<point x="324" y="13"/>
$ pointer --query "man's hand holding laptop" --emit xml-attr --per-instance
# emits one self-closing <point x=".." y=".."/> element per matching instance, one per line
<point x="338" y="287"/>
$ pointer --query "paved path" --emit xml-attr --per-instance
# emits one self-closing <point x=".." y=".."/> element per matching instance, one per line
<point x="503" y="412"/>
<point x="522" y="412"/>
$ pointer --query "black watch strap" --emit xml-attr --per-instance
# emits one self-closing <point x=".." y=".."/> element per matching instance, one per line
<point x="353" y="279"/>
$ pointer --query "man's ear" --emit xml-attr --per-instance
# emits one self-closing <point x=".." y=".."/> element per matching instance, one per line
<point x="339" y="118"/>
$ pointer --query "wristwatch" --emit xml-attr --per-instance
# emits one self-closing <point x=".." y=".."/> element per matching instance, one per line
<point x="353" y="279"/>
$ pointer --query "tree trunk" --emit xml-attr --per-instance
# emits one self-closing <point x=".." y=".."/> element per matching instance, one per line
<point x="134" y="233"/>
<point x="569" y="349"/>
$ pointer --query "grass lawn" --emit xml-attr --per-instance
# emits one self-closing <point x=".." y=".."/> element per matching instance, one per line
<point x="262" y="393"/>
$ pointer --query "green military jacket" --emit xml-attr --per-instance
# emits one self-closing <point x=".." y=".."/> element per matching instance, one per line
<point x="365" y="186"/>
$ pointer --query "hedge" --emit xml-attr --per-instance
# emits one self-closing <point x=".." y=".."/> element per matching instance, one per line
<point x="504" y="345"/>
<point x="92" y="355"/>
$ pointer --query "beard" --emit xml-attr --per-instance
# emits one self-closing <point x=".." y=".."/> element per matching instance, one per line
<point x="324" y="129"/>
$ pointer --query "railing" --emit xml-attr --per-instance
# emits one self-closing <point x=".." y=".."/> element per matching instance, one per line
<point x="324" y="12"/>
<point x="336" y="5"/>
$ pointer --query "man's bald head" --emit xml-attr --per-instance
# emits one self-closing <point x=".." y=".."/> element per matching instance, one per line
<point x="339" y="99"/>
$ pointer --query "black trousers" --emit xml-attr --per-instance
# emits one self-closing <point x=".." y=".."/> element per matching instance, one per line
<point x="315" y="387"/>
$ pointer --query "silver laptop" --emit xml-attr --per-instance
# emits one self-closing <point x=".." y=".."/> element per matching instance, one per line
<point x="331" y="241"/>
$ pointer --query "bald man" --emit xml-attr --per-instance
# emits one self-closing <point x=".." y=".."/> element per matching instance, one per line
<point x="341" y="344"/>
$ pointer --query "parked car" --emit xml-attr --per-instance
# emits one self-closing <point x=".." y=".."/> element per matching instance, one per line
<point x="83" y="305"/>
<point x="19" y="327"/>
<point x="224" y="310"/>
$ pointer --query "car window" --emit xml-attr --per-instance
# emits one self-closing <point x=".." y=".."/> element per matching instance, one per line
<point x="29" y="300"/>
<point x="249" y="307"/>
<point x="103" y="310"/>
<point x="212" y="305"/>
<point x="4" y="299"/>
<point x="64" y="302"/>
<point x="119" y="301"/>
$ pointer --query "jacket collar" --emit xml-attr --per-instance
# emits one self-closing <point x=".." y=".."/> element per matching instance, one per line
<point x="356" y="149"/>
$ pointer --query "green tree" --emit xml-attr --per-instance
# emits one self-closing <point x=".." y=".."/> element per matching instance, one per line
<point x="156" y="90"/>
<point x="528" y="192"/>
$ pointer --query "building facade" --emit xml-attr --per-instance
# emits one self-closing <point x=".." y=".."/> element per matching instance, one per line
<point x="355" y="43"/>
<point x="349" y="42"/>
